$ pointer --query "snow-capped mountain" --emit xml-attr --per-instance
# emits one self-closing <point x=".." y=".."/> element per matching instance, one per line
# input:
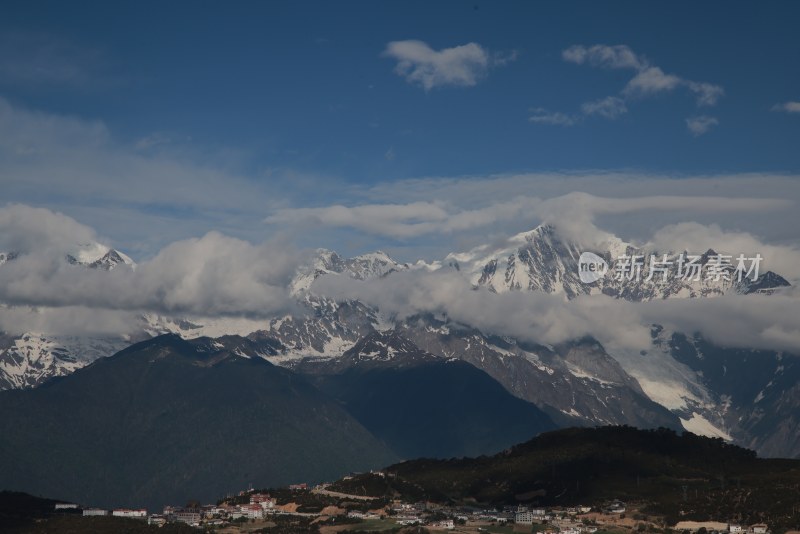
<point x="32" y="358"/>
<point x="540" y="260"/>
<point x="677" y="381"/>
<point x="98" y="256"/>
<point x="366" y="266"/>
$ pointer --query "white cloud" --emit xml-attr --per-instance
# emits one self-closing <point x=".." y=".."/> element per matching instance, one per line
<point x="68" y="321"/>
<point x="609" y="107"/>
<point x="753" y="321"/>
<point x="771" y="220"/>
<point x="403" y="221"/>
<point x="528" y="316"/>
<point x="574" y="213"/>
<point x="543" y="116"/>
<point x="216" y="275"/>
<point x="692" y="236"/>
<point x="707" y="94"/>
<point x="650" y="81"/>
<point x="146" y="194"/>
<point x="463" y="65"/>
<point x="24" y="229"/>
<point x="613" y="57"/>
<point x="700" y="124"/>
<point x="788" y="107"/>
<point x="211" y="275"/>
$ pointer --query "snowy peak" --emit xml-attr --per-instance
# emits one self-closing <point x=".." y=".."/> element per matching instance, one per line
<point x="382" y="349"/>
<point x="30" y="359"/>
<point x="538" y="260"/>
<point x="97" y="256"/>
<point x="112" y="259"/>
<point x="216" y="350"/>
<point x="541" y="260"/>
<point x="373" y="265"/>
<point x="92" y="255"/>
<point x="364" y="267"/>
<point x="86" y="253"/>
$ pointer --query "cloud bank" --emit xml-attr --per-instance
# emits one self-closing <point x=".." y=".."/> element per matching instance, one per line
<point x="214" y="275"/>
<point x="734" y="321"/>
<point x="217" y="276"/>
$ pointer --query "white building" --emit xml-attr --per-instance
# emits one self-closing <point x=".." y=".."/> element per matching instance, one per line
<point x="66" y="506"/>
<point x="94" y="511"/>
<point x="252" y="511"/>
<point x="262" y="499"/>
<point x="759" y="529"/>
<point x="524" y="518"/>
<point x="135" y="514"/>
<point x="190" y="516"/>
<point x="735" y="529"/>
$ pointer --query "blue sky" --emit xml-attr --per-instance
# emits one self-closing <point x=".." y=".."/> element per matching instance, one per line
<point x="157" y="121"/>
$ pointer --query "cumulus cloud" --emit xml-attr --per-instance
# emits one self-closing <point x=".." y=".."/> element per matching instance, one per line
<point x="693" y="236"/>
<point x="24" y="229"/>
<point x="609" y="107"/>
<point x="612" y="57"/>
<point x="787" y="107"/>
<point x="649" y="80"/>
<point x="751" y="321"/>
<point x="211" y="275"/>
<point x="743" y="321"/>
<point x="701" y="124"/>
<point x="463" y="65"/>
<point x="529" y="316"/>
<point x="707" y="94"/>
<point x="145" y="194"/>
<point x="219" y="276"/>
<point x="575" y="214"/>
<point x="68" y="321"/>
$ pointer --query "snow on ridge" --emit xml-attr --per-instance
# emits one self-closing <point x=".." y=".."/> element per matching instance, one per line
<point x="697" y="424"/>
<point x="88" y="252"/>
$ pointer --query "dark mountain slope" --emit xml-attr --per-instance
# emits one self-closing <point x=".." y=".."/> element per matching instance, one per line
<point x="679" y="477"/>
<point x="166" y="420"/>
<point x="424" y="406"/>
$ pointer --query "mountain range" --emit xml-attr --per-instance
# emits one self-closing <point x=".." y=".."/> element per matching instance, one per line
<point x="168" y="419"/>
<point x="678" y="380"/>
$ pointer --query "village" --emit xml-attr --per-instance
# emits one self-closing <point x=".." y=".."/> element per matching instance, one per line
<point x="319" y="509"/>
